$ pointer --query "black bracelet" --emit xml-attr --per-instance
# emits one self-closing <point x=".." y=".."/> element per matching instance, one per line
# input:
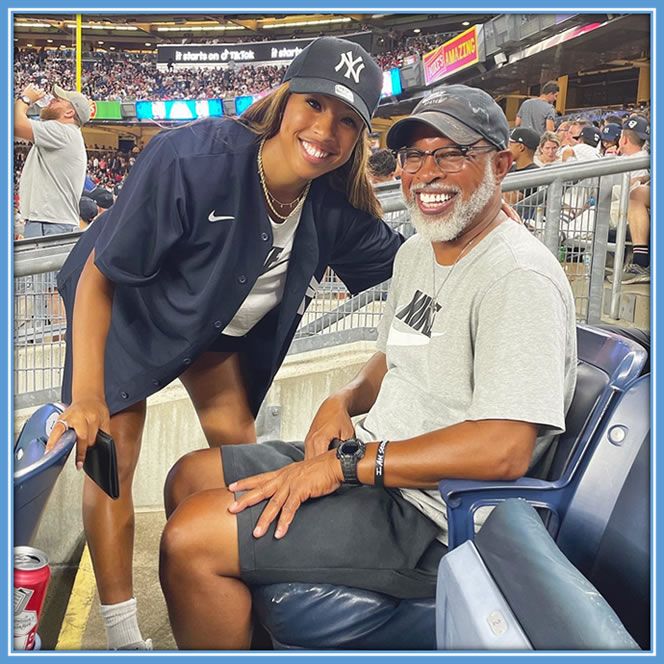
<point x="379" y="468"/>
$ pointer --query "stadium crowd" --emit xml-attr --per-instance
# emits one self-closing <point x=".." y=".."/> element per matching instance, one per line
<point x="118" y="75"/>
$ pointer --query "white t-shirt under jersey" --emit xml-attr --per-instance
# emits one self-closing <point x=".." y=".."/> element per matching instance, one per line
<point x="269" y="287"/>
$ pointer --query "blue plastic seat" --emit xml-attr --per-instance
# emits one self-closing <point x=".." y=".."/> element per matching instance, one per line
<point x="608" y="364"/>
<point x="514" y="589"/>
<point x="299" y="615"/>
<point x="557" y="597"/>
<point x="35" y="472"/>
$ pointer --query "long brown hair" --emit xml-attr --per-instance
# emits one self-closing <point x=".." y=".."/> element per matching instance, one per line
<point x="264" y="118"/>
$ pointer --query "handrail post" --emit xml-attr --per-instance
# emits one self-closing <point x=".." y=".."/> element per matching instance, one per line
<point x="621" y="236"/>
<point x="554" y="198"/>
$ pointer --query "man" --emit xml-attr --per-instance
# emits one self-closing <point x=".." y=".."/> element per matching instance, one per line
<point x="585" y="143"/>
<point x="88" y="212"/>
<point x="453" y="386"/>
<point x="635" y="134"/>
<point x="522" y="144"/>
<point x="539" y="113"/>
<point x="610" y="133"/>
<point x="54" y="173"/>
<point x="382" y="166"/>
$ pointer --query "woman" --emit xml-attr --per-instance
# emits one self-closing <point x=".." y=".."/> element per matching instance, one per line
<point x="202" y="270"/>
<point x="547" y="151"/>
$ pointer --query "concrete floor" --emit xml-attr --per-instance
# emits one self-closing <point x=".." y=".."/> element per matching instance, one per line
<point x="82" y="628"/>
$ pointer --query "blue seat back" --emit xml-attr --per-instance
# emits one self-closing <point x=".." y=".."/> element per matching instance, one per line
<point x="35" y="472"/>
<point x="606" y="530"/>
<point x="556" y="606"/>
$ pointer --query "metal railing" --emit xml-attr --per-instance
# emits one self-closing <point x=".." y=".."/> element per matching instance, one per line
<point x="566" y="206"/>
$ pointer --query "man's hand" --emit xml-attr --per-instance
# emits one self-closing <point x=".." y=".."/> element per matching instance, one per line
<point x="331" y="421"/>
<point x="33" y="92"/>
<point x="286" y="489"/>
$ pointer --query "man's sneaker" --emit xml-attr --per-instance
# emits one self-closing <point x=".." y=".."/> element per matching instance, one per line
<point x="635" y="274"/>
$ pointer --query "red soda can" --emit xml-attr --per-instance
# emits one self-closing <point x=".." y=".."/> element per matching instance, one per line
<point x="31" y="577"/>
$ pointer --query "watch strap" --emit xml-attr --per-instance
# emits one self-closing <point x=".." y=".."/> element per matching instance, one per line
<point x="26" y="100"/>
<point x="349" y="469"/>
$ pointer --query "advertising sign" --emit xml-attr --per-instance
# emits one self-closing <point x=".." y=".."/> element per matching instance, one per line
<point x="105" y="110"/>
<point x="454" y="55"/>
<point x="195" y="55"/>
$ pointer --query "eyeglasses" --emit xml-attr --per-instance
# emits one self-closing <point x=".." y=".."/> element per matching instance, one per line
<point x="447" y="159"/>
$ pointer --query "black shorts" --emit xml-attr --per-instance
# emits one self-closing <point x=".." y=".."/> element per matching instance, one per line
<point x="362" y="537"/>
<point x="224" y="343"/>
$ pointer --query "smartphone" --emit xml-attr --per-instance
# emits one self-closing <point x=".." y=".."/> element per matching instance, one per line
<point x="101" y="464"/>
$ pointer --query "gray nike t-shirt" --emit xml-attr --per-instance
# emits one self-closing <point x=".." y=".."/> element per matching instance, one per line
<point x="501" y="344"/>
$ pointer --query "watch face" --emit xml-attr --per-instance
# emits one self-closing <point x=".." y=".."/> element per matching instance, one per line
<point x="350" y="447"/>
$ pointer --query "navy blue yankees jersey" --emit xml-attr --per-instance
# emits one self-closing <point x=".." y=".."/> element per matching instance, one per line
<point x="184" y="243"/>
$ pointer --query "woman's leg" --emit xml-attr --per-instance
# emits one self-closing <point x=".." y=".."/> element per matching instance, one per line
<point x="109" y="524"/>
<point x="218" y="391"/>
<point x="208" y="606"/>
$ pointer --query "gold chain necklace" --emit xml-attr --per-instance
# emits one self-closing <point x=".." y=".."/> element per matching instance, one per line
<point x="434" y="300"/>
<point x="272" y="200"/>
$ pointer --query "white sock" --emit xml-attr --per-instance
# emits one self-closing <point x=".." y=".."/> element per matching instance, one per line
<point x="121" y="624"/>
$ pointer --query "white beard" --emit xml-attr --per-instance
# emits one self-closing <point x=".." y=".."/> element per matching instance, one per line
<point x="448" y="227"/>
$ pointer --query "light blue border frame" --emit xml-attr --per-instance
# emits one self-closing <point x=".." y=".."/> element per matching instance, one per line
<point x="6" y="302"/>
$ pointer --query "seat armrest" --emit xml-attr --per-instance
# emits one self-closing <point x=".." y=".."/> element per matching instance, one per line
<point x="464" y="497"/>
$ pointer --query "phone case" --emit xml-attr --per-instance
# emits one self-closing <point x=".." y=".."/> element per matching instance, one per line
<point x="101" y="464"/>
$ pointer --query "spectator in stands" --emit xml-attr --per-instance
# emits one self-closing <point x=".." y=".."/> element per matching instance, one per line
<point x="585" y="145"/>
<point x="452" y="386"/>
<point x="548" y="149"/>
<point x="610" y="134"/>
<point x="54" y="172"/>
<point x="539" y="113"/>
<point x="88" y="211"/>
<point x="382" y="166"/>
<point x="563" y="133"/>
<point x="522" y="144"/>
<point x="103" y="197"/>
<point x="635" y="134"/>
<point x="186" y="276"/>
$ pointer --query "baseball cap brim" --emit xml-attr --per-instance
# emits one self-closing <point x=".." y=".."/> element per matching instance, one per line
<point x="333" y="89"/>
<point x="447" y="125"/>
<point x="74" y="98"/>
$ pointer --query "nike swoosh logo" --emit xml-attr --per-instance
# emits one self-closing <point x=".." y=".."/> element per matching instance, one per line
<point x="214" y="218"/>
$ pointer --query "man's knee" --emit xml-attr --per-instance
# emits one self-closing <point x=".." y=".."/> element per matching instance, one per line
<point x="201" y="534"/>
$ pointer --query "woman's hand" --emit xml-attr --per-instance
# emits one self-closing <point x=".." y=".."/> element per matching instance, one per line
<point x="286" y="489"/>
<point x="331" y="421"/>
<point x="86" y="417"/>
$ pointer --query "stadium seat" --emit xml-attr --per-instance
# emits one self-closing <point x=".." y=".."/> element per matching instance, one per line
<point x="608" y="364"/>
<point x="310" y="616"/>
<point x="35" y="472"/>
<point x="493" y="595"/>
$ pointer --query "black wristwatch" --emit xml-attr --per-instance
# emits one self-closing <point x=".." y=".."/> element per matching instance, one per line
<point x="349" y="452"/>
<point x="26" y="100"/>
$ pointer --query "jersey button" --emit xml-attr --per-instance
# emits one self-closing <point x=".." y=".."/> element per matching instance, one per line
<point x="217" y="324"/>
<point x="242" y="278"/>
<point x="124" y="395"/>
<point x="156" y="382"/>
<point x="265" y="237"/>
<point x="187" y="360"/>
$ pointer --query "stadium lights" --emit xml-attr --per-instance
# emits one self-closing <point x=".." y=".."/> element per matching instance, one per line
<point x="297" y="24"/>
<point x="20" y="24"/>
<point x="49" y="41"/>
<point x="200" y="28"/>
<point x="417" y="31"/>
<point x="98" y="26"/>
<point x="465" y="23"/>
